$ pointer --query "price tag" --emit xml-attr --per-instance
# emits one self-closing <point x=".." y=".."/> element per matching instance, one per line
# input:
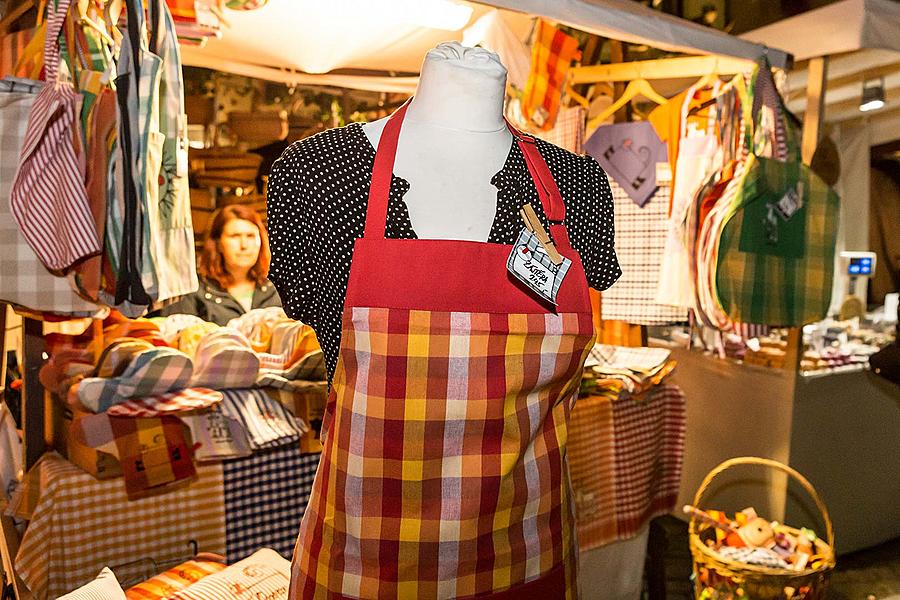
<point x="791" y="202"/>
<point x="530" y="264"/>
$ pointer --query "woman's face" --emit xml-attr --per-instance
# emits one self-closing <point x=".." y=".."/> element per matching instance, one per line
<point x="239" y="245"/>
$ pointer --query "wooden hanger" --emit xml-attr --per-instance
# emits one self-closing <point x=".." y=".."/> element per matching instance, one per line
<point x="112" y="10"/>
<point x="576" y="97"/>
<point x="637" y="87"/>
<point x="85" y="20"/>
<point x="708" y="79"/>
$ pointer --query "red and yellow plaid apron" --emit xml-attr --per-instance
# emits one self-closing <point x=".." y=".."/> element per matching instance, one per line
<point x="443" y="470"/>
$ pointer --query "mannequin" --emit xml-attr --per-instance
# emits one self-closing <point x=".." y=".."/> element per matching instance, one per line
<point x="454" y="140"/>
<point x="442" y="472"/>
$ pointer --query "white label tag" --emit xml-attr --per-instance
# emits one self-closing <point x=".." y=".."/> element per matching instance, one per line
<point x="791" y="202"/>
<point x="181" y="149"/>
<point x="663" y="173"/>
<point x="531" y="265"/>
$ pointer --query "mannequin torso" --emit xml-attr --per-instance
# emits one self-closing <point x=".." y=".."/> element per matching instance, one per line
<point x="454" y="140"/>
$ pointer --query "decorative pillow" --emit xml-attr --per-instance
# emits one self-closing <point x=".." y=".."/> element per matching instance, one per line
<point x="104" y="587"/>
<point x="177" y="578"/>
<point x="264" y="574"/>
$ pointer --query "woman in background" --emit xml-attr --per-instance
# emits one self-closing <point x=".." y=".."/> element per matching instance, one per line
<point x="232" y="269"/>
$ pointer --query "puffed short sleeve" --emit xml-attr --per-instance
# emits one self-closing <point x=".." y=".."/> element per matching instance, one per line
<point x="589" y="222"/>
<point x="292" y="268"/>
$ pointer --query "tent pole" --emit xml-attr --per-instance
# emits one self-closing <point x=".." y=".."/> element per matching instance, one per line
<point x="812" y="126"/>
<point x="815" y="106"/>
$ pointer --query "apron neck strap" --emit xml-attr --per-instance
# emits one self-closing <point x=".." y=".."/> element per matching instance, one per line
<point x="382" y="171"/>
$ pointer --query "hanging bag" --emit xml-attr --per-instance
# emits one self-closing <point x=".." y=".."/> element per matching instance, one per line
<point x="24" y="281"/>
<point x="137" y="87"/>
<point x="776" y="250"/>
<point x="170" y="228"/>
<point x="48" y="198"/>
<point x="90" y="63"/>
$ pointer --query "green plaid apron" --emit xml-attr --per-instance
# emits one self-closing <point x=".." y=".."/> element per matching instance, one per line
<point x="776" y="249"/>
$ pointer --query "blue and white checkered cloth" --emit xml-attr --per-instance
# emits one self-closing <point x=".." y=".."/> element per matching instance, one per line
<point x="266" y="495"/>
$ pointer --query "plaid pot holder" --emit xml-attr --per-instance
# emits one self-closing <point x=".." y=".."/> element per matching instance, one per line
<point x="150" y="373"/>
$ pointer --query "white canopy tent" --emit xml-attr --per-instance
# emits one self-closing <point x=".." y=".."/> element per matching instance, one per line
<point x="305" y="41"/>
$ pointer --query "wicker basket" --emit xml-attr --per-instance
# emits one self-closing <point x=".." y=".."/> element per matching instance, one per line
<point x="752" y="582"/>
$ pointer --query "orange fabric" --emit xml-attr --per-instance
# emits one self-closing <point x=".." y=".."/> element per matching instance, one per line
<point x="551" y="55"/>
<point x="666" y="120"/>
<point x="175" y="579"/>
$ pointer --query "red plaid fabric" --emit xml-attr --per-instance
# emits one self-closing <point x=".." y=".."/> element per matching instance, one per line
<point x="551" y="55"/>
<point x="465" y="460"/>
<point x="172" y="402"/>
<point x="443" y="470"/>
<point x="649" y="441"/>
<point x="592" y="456"/>
<point x="12" y="46"/>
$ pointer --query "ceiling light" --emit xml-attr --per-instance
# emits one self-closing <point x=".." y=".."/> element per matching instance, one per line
<point x="872" y="95"/>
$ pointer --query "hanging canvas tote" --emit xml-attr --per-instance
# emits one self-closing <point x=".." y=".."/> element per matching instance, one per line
<point x="91" y="65"/>
<point x="48" y="198"/>
<point x="170" y="228"/>
<point x="776" y="248"/>
<point x="140" y="154"/>
<point x="776" y="253"/>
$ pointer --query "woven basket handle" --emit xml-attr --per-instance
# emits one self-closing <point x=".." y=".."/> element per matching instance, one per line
<point x="774" y="464"/>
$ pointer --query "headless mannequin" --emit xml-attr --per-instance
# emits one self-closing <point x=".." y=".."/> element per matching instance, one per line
<point x="453" y="141"/>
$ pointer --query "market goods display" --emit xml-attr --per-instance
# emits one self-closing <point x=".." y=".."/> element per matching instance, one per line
<point x="750" y="557"/>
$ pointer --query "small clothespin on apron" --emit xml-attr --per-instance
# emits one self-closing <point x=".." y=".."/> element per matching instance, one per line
<point x="533" y="224"/>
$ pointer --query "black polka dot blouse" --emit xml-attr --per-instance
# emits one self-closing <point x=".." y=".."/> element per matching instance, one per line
<point x="316" y="209"/>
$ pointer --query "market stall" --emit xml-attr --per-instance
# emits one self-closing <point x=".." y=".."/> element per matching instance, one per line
<point x="633" y="411"/>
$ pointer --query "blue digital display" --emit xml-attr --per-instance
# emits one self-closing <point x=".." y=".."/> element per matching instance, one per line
<point x="860" y="266"/>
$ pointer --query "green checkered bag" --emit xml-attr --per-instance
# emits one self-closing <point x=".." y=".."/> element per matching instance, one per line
<point x="776" y="250"/>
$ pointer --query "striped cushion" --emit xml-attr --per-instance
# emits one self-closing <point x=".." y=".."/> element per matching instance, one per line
<point x="105" y="587"/>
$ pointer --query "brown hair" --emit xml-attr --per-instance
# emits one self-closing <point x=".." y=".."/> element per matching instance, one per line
<point x="211" y="265"/>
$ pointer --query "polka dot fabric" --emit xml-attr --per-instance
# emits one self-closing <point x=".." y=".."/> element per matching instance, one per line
<point x="316" y="209"/>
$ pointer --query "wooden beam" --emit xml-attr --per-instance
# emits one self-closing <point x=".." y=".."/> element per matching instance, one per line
<point x="815" y="107"/>
<point x="666" y="68"/>
<point x="13" y="13"/>
<point x="9" y="547"/>
<point x="855" y="79"/>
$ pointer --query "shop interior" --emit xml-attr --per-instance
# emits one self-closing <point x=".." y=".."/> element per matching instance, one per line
<point x="735" y="374"/>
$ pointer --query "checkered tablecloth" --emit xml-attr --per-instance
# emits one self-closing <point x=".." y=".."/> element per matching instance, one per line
<point x="81" y="525"/>
<point x="625" y="458"/>
<point x="265" y="496"/>
<point x="640" y="241"/>
<point x="649" y="441"/>
<point x="591" y="454"/>
<point x="568" y="132"/>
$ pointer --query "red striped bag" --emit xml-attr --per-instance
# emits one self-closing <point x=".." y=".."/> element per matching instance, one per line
<point x="48" y="197"/>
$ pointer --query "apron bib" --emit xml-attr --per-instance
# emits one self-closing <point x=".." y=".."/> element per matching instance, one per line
<point x="443" y="471"/>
